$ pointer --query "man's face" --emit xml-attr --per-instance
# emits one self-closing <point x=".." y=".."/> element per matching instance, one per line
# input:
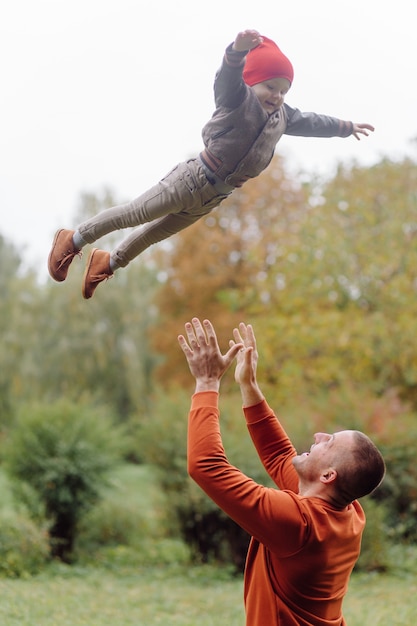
<point x="326" y="451"/>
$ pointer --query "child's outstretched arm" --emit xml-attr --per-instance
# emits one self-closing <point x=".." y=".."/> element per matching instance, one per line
<point x="361" y="129"/>
<point x="246" y="40"/>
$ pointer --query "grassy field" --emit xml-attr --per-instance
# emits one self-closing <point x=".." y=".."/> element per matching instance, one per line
<point x="382" y="600"/>
<point x="173" y="596"/>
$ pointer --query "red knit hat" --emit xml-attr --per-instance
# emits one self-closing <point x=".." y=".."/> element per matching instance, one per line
<point x="266" y="61"/>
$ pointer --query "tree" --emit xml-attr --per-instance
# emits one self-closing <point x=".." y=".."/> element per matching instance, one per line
<point x="95" y="351"/>
<point x="59" y="457"/>
<point x="18" y="292"/>
<point x="346" y="305"/>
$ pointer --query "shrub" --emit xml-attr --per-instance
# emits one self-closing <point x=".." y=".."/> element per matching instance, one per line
<point x="24" y="546"/>
<point x="59" y="457"/>
<point x="131" y="511"/>
<point x="153" y="551"/>
<point x="129" y="525"/>
<point x="375" y="544"/>
<point x="398" y="492"/>
<point x="399" y="489"/>
<point x="112" y="523"/>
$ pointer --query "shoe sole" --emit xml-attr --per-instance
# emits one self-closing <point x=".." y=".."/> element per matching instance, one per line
<point x="56" y="277"/>
<point x="87" y="268"/>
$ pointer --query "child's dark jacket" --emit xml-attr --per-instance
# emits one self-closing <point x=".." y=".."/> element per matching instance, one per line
<point x="240" y="138"/>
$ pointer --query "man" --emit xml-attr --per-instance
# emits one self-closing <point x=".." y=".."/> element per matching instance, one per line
<point x="306" y="535"/>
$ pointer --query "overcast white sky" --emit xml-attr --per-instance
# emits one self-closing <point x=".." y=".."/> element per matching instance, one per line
<point x="115" y="92"/>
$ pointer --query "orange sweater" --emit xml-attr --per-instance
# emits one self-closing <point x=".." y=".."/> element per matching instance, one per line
<point x="302" y="550"/>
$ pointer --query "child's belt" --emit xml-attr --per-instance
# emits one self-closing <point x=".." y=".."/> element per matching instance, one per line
<point x="220" y="186"/>
<point x="212" y="164"/>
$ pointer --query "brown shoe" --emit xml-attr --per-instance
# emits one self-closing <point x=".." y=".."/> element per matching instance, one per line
<point x="97" y="270"/>
<point x="62" y="253"/>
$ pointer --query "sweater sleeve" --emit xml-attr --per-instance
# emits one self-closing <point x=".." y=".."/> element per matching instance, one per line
<point x="274" y="448"/>
<point x="315" y="125"/>
<point x="275" y="518"/>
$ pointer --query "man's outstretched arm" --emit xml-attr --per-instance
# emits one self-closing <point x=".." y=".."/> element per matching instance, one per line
<point x="274" y="448"/>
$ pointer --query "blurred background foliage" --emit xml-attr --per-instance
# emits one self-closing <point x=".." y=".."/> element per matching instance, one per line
<point x="324" y="269"/>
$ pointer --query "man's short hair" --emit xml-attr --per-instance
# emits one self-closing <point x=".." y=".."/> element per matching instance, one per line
<point x="362" y="468"/>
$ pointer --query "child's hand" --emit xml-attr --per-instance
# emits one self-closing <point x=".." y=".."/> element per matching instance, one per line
<point x="246" y="40"/>
<point x="361" y="129"/>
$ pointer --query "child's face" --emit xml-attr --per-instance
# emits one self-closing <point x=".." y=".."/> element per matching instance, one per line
<point x="271" y="93"/>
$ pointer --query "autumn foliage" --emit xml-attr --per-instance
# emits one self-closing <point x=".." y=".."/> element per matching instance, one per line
<point x="326" y="273"/>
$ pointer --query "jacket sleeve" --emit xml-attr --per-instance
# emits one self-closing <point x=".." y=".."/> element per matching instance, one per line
<point x="229" y="87"/>
<point x="275" y="518"/>
<point x="315" y="125"/>
<point x="274" y="448"/>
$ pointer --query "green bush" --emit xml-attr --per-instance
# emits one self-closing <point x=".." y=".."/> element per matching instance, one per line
<point x="59" y="457"/>
<point x="24" y="547"/>
<point x="129" y="526"/>
<point x="132" y="511"/>
<point x="375" y="543"/>
<point x="150" y="552"/>
<point x="399" y="490"/>
<point x="112" y="523"/>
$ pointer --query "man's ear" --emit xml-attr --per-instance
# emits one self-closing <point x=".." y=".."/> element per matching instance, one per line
<point x="328" y="475"/>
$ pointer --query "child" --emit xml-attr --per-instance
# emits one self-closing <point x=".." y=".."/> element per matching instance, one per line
<point x="239" y="143"/>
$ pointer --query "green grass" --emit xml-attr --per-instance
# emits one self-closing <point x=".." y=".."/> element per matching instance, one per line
<point x="173" y="596"/>
<point x="165" y="596"/>
<point x="381" y="600"/>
